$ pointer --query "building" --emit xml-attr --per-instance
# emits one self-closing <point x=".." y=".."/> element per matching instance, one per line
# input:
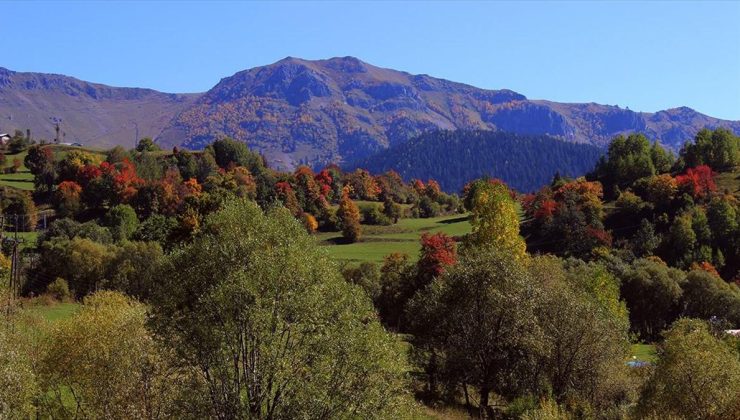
<point x="4" y="138"/>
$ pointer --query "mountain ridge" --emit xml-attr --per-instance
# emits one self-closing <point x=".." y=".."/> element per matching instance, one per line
<point x="335" y="110"/>
<point x="342" y="109"/>
<point x="92" y="113"/>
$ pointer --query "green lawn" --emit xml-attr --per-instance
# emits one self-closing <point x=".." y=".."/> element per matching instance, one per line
<point x="643" y="352"/>
<point x="54" y="312"/>
<point x="379" y="241"/>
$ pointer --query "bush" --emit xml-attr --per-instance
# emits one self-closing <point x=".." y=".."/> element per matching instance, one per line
<point x="371" y="215"/>
<point x="428" y="208"/>
<point x="59" y="289"/>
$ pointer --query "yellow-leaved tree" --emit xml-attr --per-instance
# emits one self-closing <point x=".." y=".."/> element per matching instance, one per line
<point x="495" y="219"/>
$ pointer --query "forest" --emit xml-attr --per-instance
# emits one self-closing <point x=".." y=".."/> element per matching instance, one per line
<point x="151" y="283"/>
<point x="456" y="157"/>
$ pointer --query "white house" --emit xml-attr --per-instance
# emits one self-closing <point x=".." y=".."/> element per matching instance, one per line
<point x="4" y="138"/>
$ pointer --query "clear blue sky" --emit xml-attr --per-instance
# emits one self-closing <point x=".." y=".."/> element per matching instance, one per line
<point x="647" y="56"/>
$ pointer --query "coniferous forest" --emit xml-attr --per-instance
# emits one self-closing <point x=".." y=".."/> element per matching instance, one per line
<point x="456" y="157"/>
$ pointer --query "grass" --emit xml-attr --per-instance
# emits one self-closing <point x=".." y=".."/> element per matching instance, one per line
<point x="643" y="353"/>
<point x="23" y="179"/>
<point x="729" y="181"/>
<point x="55" y="311"/>
<point x="379" y="241"/>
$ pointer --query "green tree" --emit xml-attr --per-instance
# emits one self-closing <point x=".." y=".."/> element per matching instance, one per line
<point x="122" y="221"/>
<point x="720" y="149"/>
<point x="697" y="376"/>
<point x="270" y="323"/>
<point x="479" y="319"/>
<point x="132" y="268"/>
<point x="663" y="159"/>
<point x="20" y="212"/>
<point x="627" y="160"/>
<point x="706" y="296"/>
<point x="585" y="334"/>
<point x="231" y="152"/>
<point x="653" y="293"/>
<point x="103" y="363"/>
<point x="147" y="145"/>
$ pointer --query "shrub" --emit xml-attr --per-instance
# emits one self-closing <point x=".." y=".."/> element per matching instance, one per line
<point x="59" y="289"/>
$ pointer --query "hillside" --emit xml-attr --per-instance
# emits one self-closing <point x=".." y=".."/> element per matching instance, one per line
<point x="89" y="113"/>
<point x="342" y="110"/>
<point x="526" y="163"/>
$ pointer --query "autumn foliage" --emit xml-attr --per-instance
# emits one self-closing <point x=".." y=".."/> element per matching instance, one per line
<point x="438" y="251"/>
<point x="699" y="181"/>
<point x="349" y="217"/>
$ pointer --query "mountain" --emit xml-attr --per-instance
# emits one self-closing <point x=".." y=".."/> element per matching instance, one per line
<point x="342" y="110"/>
<point x="314" y="112"/>
<point x="524" y="162"/>
<point x="88" y="113"/>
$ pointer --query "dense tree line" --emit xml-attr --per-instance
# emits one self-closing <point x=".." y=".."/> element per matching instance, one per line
<point x="456" y="157"/>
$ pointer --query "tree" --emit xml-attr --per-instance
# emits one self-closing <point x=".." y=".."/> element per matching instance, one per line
<point x="480" y="320"/>
<point x="697" y="376"/>
<point x="82" y="262"/>
<point x="268" y="320"/>
<point x="495" y="220"/>
<point x="720" y="149"/>
<point x="122" y="221"/>
<point x="645" y="241"/>
<point x="349" y="218"/>
<point x="20" y="212"/>
<point x="706" y="295"/>
<point x="585" y="334"/>
<point x="627" y="160"/>
<point x="132" y="268"/>
<point x="698" y="181"/>
<point x="40" y="162"/>
<point x="156" y="228"/>
<point x="438" y="251"/>
<point x="67" y="198"/>
<point x="367" y="276"/>
<point x="102" y="362"/>
<point x="231" y="152"/>
<point x="653" y="293"/>
<point x="392" y="210"/>
<point x="398" y="284"/>
<point x="663" y="159"/>
<point x="147" y="145"/>
<point x="18" y="383"/>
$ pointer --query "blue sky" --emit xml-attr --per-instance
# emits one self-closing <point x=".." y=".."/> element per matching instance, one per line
<point x="647" y="56"/>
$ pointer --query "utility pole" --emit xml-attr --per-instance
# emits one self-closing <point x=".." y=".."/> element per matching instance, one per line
<point x="14" y="281"/>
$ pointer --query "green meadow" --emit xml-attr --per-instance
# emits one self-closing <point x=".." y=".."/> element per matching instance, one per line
<point x="379" y="241"/>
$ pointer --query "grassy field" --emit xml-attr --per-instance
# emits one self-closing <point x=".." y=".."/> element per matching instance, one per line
<point x="729" y="181"/>
<point x="54" y="312"/>
<point x="23" y="180"/>
<point x="379" y="241"/>
<point x="643" y="352"/>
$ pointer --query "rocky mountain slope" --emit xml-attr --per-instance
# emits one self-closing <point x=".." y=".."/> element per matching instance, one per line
<point x="88" y="113"/>
<point x="342" y="110"/>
